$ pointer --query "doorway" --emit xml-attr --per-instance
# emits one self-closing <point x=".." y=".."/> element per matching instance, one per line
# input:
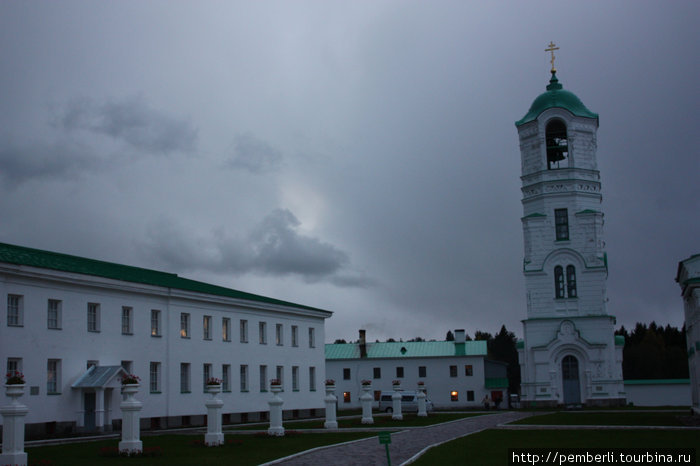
<point x="89" y="400"/>
<point x="570" y="380"/>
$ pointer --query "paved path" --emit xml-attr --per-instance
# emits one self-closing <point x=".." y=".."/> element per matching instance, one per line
<point x="403" y="445"/>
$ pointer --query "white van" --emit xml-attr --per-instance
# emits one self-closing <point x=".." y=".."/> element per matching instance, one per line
<point x="409" y="402"/>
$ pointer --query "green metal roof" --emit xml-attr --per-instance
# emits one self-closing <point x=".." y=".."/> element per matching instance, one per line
<point x="20" y="255"/>
<point x="556" y="97"/>
<point x="619" y="340"/>
<point x="658" y="382"/>
<point x="496" y="382"/>
<point x="407" y="349"/>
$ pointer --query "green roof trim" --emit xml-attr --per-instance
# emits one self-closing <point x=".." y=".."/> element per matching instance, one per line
<point x="556" y="97"/>
<point x="412" y="349"/>
<point x="496" y="382"/>
<point x="536" y="214"/>
<point x="619" y="340"/>
<point x="657" y="382"/>
<point x="588" y="211"/>
<point x="520" y="344"/>
<point x="23" y="256"/>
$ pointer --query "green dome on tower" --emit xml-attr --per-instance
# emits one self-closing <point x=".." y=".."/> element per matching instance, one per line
<point x="556" y="97"/>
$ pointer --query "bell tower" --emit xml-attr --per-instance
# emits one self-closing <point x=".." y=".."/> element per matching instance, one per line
<point x="569" y="354"/>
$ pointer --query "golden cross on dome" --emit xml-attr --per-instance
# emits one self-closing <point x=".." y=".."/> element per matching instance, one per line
<point x="552" y="48"/>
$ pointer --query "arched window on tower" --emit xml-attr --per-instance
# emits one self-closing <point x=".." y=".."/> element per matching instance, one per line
<point x="571" y="281"/>
<point x="557" y="144"/>
<point x="558" y="282"/>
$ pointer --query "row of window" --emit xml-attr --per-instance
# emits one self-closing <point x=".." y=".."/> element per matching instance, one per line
<point x="564" y="285"/>
<point x="454" y="396"/>
<point x="53" y="375"/>
<point x="15" y="318"/>
<point x="422" y="372"/>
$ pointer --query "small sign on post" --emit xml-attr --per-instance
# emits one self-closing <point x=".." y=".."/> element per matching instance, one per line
<point x="385" y="439"/>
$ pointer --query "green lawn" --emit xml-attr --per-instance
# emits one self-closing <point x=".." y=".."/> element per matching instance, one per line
<point x="188" y="450"/>
<point x="409" y="420"/>
<point x="629" y="418"/>
<point x="490" y="447"/>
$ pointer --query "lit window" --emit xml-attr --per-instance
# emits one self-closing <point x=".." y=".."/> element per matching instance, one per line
<point x="184" y="325"/>
<point x="206" y="327"/>
<point x="14" y="310"/>
<point x="53" y="376"/>
<point x="155" y="323"/>
<point x="454" y="395"/>
<point x="54" y="314"/>
<point x="127" y="321"/>
<point x="93" y="317"/>
<point x="346" y="397"/>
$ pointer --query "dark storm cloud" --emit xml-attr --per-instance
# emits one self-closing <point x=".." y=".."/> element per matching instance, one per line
<point x="22" y="162"/>
<point x="274" y="247"/>
<point x="254" y="155"/>
<point x="132" y="121"/>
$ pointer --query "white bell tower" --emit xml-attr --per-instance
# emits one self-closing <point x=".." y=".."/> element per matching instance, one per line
<point x="569" y="354"/>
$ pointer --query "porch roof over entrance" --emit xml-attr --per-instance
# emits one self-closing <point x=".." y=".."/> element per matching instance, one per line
<point x="98" y="377"/>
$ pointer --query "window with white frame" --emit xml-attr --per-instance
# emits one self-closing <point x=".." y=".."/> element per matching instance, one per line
<point x="14" y="365"/>
<point x="295" y="335"/>
<point x="226" y="329"/>
<point x="154" y="377"/>
<point x="206" y="327"/>
<point x="279" y="335"/>
<point x="93" y="317"/>
<point x="226" y="377"/>
<point x="53" y="376"/>
<point x="262" y="329"/>
<point x="15" y="317"/>
<point x="280" y="374"/>
<point x="185" y="377"/>
<point x="206" y="374"/>
<point x="53" y="319"/>
<point x="127" y="320"/>
<point x="184" y="325"/>
<point x="312" y="337"/>
<point x="155" y="323"/>
<point x="244" y="331"/>
<point x="295" y="378"/>
<point x="244" y="377"/>
<point x="263" y="378"/>
<point x="312" y="378"/>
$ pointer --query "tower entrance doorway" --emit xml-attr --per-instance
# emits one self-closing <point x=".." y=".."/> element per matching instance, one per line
<point x="570" y="380"/>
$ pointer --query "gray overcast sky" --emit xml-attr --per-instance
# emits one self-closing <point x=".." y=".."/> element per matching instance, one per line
<point x="355" y="156"/>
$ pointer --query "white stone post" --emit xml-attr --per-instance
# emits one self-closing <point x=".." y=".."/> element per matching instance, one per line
<point x="131" y="428"/>
<point x="366" y="400"/>
<point x="331" y="422"/>
<point x="276" y="412"/>
<point x="421" y="401"/>
<point x="214" y="436"/>
<point x="396" y="403"/>
<point x="99" y="409"/>
<point x="13" y="428"/>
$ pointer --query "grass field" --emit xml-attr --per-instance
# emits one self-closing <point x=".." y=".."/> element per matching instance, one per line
<point x="409" y="420"/>
<point x="490" y="447"/>
<point x="174" y="450"/>
<point x="630" y="418"/>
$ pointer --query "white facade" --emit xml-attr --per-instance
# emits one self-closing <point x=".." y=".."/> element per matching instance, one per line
<point x="688" y="277"/>
<point x="672" y="392"/>
<point x="569" y="354"/>
<point x="167" y="330"/>
<point x="455" y="373"/>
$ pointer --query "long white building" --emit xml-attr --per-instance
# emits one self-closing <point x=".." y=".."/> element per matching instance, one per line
<point x="456" y="373"/>
<point x="688" y="278"/>
<point x="72" y="325"/>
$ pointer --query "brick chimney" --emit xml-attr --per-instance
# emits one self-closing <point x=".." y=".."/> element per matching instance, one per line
<point x="363" y="344"/>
